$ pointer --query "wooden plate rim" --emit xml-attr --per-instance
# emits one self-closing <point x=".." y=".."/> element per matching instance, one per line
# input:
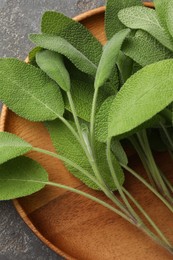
<point x="3" y="117"/>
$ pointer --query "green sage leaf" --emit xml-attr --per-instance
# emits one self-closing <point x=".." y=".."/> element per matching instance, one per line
<point x="12" y="146"/>
<point x="118" y="151"/>
<point x="143" y="95"/>
<point x="145" y="49"/>
<point x="169" y="18"/>
<point x="21" y="177"/>
<point x="112" y="23"/>
<point x="52" y="64"/>
<point x="74" y="32"/>
<point x="161" y="7"/>
<point x="146" y="19"/>
<point x="109" y="57"/>
<point x="60" y="45"/>
<point x="67" y="146"/>
<point x="28" y="91"/>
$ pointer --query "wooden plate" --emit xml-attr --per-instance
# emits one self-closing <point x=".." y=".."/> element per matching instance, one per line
<point x="76" y="227"/>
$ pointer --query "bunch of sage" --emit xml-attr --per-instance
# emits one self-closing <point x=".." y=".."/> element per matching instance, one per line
<point x="91" y="99"/>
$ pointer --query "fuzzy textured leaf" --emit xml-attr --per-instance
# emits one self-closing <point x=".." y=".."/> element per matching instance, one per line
<point x="12" y="146"/>
<point x="161" y="7"/>
<point x="21" y="177"/>
<point x="112" y="23"/>
<point x="109" y="57"/>
<point x="146" y="19"/>
<point x="118" y="151"/>
<point x="74" y="32"/>
<point x="53" y="65"/>
<point x="60" y="45"/>
<point x="169" y="17"/>
<point x="66" y="145"/>
<point x="145" y="94"/>
<point x="28" y="91"/>
<point x="101" y="120"/>
<point x="135" y="48"/>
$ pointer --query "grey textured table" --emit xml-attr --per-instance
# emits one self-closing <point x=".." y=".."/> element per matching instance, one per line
<point x="17" y="19"/>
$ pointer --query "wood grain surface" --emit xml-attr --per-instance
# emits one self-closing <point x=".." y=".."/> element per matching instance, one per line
<point x="76" y="227"/>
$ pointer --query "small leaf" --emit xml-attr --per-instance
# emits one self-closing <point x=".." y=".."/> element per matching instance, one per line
<point x="28" y="91"/>
<point x="112" y="23"/>
<point x="52" y="64"/>
<point x="109" y="57"/>
<point x="143" y="95"/>
<point x="82" y="93"/>
<point x="101" y="121"/>
<point x="67" y="146"/>
<point x="60" y="45"/>
<point x="161" y="7"/>
<point x="12" y="146"/>
<point x="21" y="177"/>
<point x="74" y="32"/>
<point x="32" y="55"/>
<point x="118" y="151"/>
<point x="169" y="18"/>
<point x="146" y="19"/>
<point x="125" y="66"/>
<point x="135" y="48"/>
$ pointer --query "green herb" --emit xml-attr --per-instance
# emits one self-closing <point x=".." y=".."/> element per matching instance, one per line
<point x="93" y="100"/>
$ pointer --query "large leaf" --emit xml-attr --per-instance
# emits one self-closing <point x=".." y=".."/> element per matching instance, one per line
<point x="20" y="177"/>
<point x="12" y="146"/>
<point x="67" y="146"/>
<point x="145" y="49"/>
<point x="60" y="45"/>
<point x="53" y="65"/>
<point x="146" y="19"/>
<point x="109" y="57"/>
<point x="74" y="32"/>
<point x="28" y="91"/>
<point x="112" y="23"/>
<point x="143" y="95"/>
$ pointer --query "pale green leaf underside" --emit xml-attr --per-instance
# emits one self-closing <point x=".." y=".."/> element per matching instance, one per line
<point x="21" y="177"/>
<point x="118" y="151"/>
<point x="67" y="146"/>
<point x="146" y="19"/>
<point x="74" y="32"/>
<point x="145" y="49"/>
<point x="112" y="23"/>
<point x="28" y="91"/>
<point x="60" y="45"/>
<point x="52" y="64"/>
<point x="109" y="57"/>
<point x="143" y="95"/>
<point x="12" y="146"/>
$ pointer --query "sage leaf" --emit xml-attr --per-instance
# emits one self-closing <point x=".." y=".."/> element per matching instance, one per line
<point x="82" y="93"/>
<point x="125" y="66"/>
<point x="52" y="64"/>
<point x="67" y="146"/>
<point x="143" y="95"/>
<point x="118" y="151"/>
<point x="28" y="91"/>
<point x="169" y="18"/>
<point x="21" y="177"/>
<point x="74" y="32"/>
<point x="101" y="120"/>
<point x="135" y="48"/>
<point x="112" y="23"/>
<point x="138" y="17"/>
<point x="12" y="146"/>
<point x="60" y="45"/>
<point x="109" y="57"/>
<point x="161" y="8"/>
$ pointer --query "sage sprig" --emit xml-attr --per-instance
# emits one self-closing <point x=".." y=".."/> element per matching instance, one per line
<point x="92" y="100"/>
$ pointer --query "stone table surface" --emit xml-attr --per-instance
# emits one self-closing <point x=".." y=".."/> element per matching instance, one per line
<point x="17" y="19"/>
